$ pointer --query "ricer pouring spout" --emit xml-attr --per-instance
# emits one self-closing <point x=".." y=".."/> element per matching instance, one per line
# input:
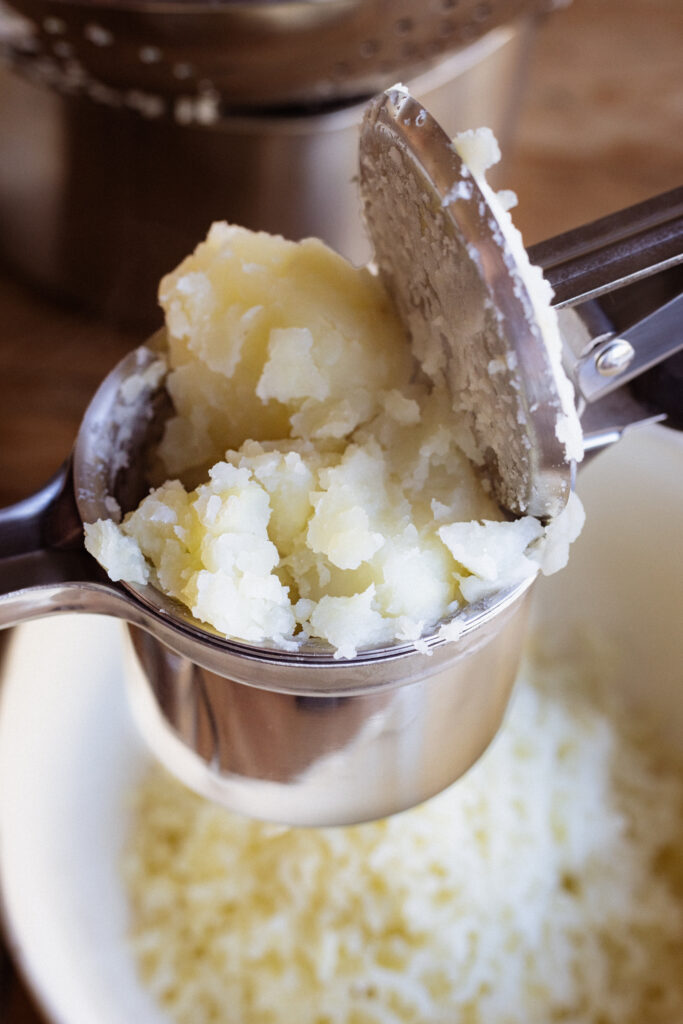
<point x="300" y="736"/>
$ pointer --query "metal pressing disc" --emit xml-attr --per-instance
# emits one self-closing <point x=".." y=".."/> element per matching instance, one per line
<point x="460" y="294"/>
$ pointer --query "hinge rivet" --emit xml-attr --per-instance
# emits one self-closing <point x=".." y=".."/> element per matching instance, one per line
<point x="615" y="357"/>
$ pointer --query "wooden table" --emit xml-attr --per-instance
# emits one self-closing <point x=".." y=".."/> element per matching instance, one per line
<point x="601" y="127"/>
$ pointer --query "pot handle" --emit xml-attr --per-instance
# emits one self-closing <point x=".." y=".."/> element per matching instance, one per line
<point x="44" y="566"/>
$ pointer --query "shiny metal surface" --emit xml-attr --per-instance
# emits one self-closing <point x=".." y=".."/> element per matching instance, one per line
<point x="614" y="251"/>
<point x="298" y="737"/>
<point x="618" y="286"/>
<point x="98" y="203"/>
<point x="41" y="547"/>
<point x="617" y="357"/>
<point x="242" y="54"/>
<point x="614" y="357"/>
<point x="328" y="758"/>
<point x="456" y="284"/>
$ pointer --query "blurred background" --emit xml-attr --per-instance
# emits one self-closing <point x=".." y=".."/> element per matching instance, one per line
<point x="122" y="135"/>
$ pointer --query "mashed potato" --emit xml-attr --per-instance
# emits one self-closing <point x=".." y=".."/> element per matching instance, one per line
<point x="314" y="481"/>
<point x="545" y="886"/>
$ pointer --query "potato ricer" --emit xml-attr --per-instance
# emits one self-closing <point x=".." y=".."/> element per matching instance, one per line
<point x="458" y="279"/>
<point x="299" y="737"/>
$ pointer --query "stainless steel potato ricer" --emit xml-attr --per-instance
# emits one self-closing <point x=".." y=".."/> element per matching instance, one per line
<point x="300" y="737"/>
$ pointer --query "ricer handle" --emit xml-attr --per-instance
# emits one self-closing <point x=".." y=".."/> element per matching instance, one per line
<point x="614" y="251"/>
<point x="628" y="259"/>
<point x="44" y="566"/>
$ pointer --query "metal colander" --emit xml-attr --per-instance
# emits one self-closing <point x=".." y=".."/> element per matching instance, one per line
<point x="237" y="54"/>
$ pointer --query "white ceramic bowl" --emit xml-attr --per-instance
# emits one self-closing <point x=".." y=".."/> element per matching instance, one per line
<point x="69" y="753"/>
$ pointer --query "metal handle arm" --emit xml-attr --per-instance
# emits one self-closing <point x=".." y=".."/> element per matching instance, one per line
<point x="613" y="251"/>
<point x="46" y="519"/>
<point x="599" y="270"/>
<point x="43" y="564"/>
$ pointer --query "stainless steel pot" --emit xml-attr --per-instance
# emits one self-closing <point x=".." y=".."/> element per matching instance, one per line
<point x="98" y="202"/>
<point x="250" y="54"/>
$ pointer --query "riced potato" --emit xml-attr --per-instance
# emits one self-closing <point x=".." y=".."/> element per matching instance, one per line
<point x="315" y="482"/>
<point x="545" y="886"/>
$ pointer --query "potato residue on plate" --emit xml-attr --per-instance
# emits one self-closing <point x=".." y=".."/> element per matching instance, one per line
<point x="546" y="886"/>
<point x="325" y="491"/>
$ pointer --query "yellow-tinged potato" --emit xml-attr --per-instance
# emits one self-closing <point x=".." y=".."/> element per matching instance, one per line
<point x="334" y="496"/>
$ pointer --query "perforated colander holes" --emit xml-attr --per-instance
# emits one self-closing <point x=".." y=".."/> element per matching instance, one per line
<point x="369" y="48"/>
<point x="397" y="46"/>
<point x="97" y="34"/>
<point x="463" y="23"/>
<point x="404" y="26"/>
<point x="482" y="12"/>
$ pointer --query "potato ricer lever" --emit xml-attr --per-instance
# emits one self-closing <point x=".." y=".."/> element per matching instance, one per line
<point x="477" y="318"/>
<point x="614" y="251"/>
<point x="618" y="288"/>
